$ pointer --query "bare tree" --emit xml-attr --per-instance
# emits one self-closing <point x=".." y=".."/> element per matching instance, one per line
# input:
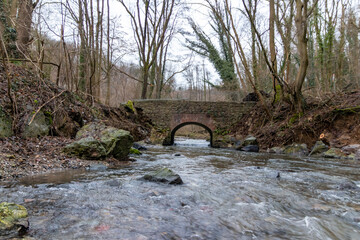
<point x="150" y="21"/>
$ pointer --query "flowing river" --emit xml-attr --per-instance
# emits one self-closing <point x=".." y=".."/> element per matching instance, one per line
<point x="226" y="194"/>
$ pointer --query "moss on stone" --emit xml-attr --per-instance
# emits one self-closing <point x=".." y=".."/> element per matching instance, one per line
<point x="10" y="213"/>
<point x="135" y="151"/>
<point x="130" y="106"/>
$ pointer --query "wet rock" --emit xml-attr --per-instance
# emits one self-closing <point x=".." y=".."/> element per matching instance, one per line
<point x="97" y="167"/>
<point x="5" y="125"/>
<point x="177" y="154"/>
<point x="86" y="148"/>
<point x="319" y="148"/>
<point x="334" y="153"/>
<point x="250" y="148"/>
<point x="219" y="143"/>
<point x="250" y="140"/>
<point x="296" y="149"/>
<point x="277" y="150"/>
<point x="13" y="220"/>
<point x="139" y="147"/>
<point x="164" y="175"/>
<point x="113" y="183"/>
<point x="40" y="126"/>
<point x="348" y="185"/>
<point x="353" y="148"/>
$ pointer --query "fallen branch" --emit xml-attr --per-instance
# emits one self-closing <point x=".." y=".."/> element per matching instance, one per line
<point x="37" y="111"/>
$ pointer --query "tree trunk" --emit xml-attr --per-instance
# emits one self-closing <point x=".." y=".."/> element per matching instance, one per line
<point x="301" y="31"/>
<point x="23" y="25"/>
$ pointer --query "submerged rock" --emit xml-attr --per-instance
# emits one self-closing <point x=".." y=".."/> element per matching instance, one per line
<point x="250" y="148"/>
<point x="164" y="175"/>
<point x="139" y="147"/>
<point x="348" y="185"/>
<point x="5" y="125"/>
<point x="319" y="148"/>
<point x="13" y="220"/>
<point x="296" y="149"/>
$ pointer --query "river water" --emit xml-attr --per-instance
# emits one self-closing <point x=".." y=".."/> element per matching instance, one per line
<point x="226" y="195"/>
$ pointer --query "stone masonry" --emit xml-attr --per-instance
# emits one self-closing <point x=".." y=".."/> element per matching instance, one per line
<point x="170" y="115"/>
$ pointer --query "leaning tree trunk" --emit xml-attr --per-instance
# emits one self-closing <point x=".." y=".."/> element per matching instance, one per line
<point x="301" y="32"/>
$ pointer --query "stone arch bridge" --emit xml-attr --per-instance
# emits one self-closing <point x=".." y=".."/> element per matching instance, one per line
<point x="170" y="115"/>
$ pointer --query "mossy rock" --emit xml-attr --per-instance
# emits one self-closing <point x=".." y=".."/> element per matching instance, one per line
<point x="90" y="130"/>
<point x="130" y="106"/>
<point x="296" y="149"/>
<point x="334" y="153"/>
<point x="102" y="141"/>
<point x="117" y="142"/>
<point x="86" y="148"/>
<point x="5" y="125"/>
<point x="164" y="175"/>
<point x="39" y="126"/>
<point x="13" y="220"/>
<point x="319" y="148"/>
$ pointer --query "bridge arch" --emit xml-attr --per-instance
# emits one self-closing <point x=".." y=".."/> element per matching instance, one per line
<point x="173" y="131"/>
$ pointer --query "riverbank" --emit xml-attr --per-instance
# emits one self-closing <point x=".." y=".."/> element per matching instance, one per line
<point x="40" y="118"/>
<point x="334" y="119"/>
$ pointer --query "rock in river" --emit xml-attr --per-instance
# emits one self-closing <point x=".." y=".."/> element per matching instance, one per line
<point x="13" y="220"/>
<point x="319" y="148"/>
<point x="164" y="175"/>
<point x="250" y="148"/>
<point x="296" y="149"/>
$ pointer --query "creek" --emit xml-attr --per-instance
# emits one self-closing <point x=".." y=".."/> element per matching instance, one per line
<point x="226" y="194"/>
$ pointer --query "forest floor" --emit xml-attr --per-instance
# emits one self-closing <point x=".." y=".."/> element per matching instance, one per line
<point x="334" y="119"/>
<point x="21" y="157"/>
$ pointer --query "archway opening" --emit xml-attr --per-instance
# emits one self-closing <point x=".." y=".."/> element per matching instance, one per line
<point x="196" y="132"/>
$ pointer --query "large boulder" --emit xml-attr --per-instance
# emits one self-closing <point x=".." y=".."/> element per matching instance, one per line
<point x="5" y="125"/>
<point x="117" y="142"/>
<point x="86" y="148"/>
<point x="97" y="141"/>
<point x="164" y="175"/>
<point x="296" y="149"/>
<point x="38" y="127"/>
<point x="13" y="220"/>
<point x="319" y="148"/>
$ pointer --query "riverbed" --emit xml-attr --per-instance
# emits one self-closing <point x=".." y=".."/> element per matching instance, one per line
<point x="226" y="194"/>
